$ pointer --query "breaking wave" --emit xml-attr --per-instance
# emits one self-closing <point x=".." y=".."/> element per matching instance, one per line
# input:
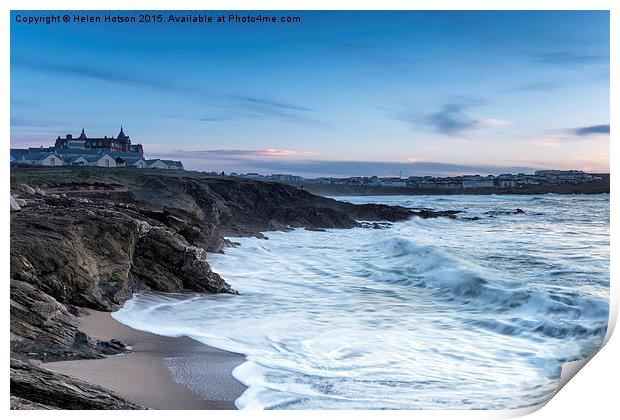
<point x="432" y="313"/>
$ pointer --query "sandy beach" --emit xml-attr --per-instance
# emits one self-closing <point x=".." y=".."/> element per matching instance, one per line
<point x="151" y="373"/>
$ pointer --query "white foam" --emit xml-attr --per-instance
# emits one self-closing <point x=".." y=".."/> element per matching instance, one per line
<point x="428" y="314"/>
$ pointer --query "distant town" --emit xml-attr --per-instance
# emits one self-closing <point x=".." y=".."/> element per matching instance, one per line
<point x="462" y="182"/>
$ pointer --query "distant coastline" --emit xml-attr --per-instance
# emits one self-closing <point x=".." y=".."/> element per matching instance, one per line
<point x="593" y="187"/>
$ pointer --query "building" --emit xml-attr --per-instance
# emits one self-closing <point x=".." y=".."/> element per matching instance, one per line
<point x="286" y="177"/>
<point x="42" y="158"/>
<point x="103" y="160"/>
<point x="164" y="164"/>
<point x="476" y="181"/>
<point x="120" y="143"/>
<point x="135" y="162"/>
<point x="106" y="152"/>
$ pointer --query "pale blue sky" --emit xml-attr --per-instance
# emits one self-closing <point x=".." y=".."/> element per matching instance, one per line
<point x="341" y="93"/>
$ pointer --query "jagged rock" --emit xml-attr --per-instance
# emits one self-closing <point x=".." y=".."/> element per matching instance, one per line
<point x="24" y="404"/>
<point x="376" y="225"/>
<point x="75" y="258"/>
<point x="44" y="329"/>
<point x="165" y="261"/>
<point x="38" y="191"/>
<point x="431" y="214"/>
<point x="35" y="388"/>
<point x="492" y="213"/>
<point x="26" y="189"/>
<point x="20" y="202"/>
<point x="14" y="205"/>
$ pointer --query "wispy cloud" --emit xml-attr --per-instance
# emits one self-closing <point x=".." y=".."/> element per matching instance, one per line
<point x="306" y="163"/>
<point x="237" y="153"/>
<point x="535" y="87"/>
<point x="568" y="58"/>
<point x="559" y="137"/>
<point x="377" y="56"/>
<point x="23" y="103"/>
<point x="235" y="106"/>
<point x="493" y="122"/>
<point x="593" y="129"/>
<point x="33" y="123"/>
<point x="262" y="102"/>
<point x="452" y="119"/>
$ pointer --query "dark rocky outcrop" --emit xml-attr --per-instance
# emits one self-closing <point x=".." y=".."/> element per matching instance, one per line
<point x="44" y="329"/>
<point x="35" y="388"/>
<point x="93" y="243"/>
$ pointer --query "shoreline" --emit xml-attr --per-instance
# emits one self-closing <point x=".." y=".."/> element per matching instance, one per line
<point x="150" y="374"/>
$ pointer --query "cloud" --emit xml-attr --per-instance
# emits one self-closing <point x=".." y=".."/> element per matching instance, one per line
<point x="558" y="137"/>
<point x="305" y="163"/>
<point x="535" y="87"/>
<point x="594" y="129"/>
<point x="262" y="102"/>
<point x="235" y="153"/>
<point x="101" y="74"/>
<point x="211" y="119"/>
<point x="551" y="140"/>
<point x="234" y="105"/>
<point x="376" y="56"/>
<point x="25" y="103"/>
<point x="31" y="123"/>
<point x="568" y="58"/>
<point x="452" y="118"/>
<point x="494" y="122"/>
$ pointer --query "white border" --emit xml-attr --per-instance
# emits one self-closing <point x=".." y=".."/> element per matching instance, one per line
<point x="594" y="393"/>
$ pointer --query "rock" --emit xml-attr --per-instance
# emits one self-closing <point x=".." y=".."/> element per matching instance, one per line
<point x="492" y="213"/>
<point x="14" y="205"/>
<point x="376" y="225"/>
<point x="33" y="387"/>
<point x="165" y="261"/>
<point x="44" y="329"/>
<point x="97" y="255"/>
<point x="21" y="202"/>
<point x="431" y="214"/>
<point x="38" y="191"/>
<point x="26" y="189"/>
<point x="54" y="196"/>
<point x="23" y="404"/>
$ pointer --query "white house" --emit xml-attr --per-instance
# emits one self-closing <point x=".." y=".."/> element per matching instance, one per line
<point x="136" y="162"/>
<point x="164" y="164"/>
<point x="103" y="160"/>
<point x="43" y="159"/>
<point x="76" y="161"/>
<point x="156" y="163"/>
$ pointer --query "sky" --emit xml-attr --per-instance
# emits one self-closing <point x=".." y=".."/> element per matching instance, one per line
<point x="337" y="94"/>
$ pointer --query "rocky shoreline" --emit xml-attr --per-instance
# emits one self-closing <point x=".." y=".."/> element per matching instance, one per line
<point x="87" y="238"/>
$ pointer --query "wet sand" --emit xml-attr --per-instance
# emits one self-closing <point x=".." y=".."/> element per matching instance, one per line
<point x="147" y="374"/>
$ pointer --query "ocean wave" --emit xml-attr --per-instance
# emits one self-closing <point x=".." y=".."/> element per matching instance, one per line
<point x="433" y="313"/>
<point x="472" y="286"/>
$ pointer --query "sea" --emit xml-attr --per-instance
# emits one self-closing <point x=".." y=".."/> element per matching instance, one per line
<point x="477" y="312"/>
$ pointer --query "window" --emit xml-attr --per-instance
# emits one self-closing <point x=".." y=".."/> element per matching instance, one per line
<point x="107" y="163"/>
<point x="52" y="161"/>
